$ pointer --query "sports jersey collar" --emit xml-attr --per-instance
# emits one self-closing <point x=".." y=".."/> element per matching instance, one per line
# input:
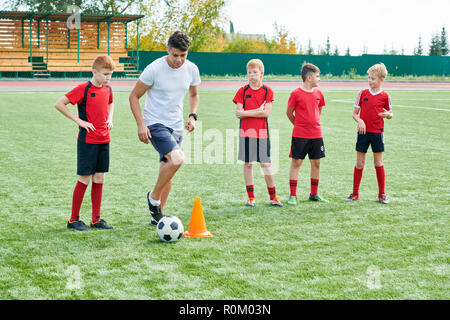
<point x="374" y="94"/>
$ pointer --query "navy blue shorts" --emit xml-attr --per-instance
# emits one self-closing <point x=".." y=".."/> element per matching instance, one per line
<point x="375" y="140"/>
<point x="164" y="139"/>
<point x="92" y="158"/>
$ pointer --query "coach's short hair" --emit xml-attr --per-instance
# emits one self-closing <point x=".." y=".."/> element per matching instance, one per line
<point x="308" y="69"/>
<point x="379" y="70"/>
<point x="103" y="62"/>
<point x="179" y="40"/>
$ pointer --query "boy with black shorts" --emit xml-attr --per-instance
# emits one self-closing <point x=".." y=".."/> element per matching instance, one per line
<point x="95" y="119"/>
<point x="253" y="105"/>
<point x="304" y="109"/>
<point x="371" y="107"/>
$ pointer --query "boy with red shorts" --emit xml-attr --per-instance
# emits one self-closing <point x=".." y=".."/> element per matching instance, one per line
<point x="304" y="109"/>
<point x="253" y="105"/>
<point x="371" y="107"/>
<point x="95" y="119"/>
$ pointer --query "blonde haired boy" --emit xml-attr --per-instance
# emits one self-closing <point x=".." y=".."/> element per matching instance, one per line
<point x="372" y="106"/>
<point x="253" y="105"/>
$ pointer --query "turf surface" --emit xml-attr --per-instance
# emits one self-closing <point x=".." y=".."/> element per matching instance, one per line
<point x="335" y="250"/>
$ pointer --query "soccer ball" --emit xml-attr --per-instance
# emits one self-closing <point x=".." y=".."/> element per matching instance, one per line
<point x="169" y="229"/>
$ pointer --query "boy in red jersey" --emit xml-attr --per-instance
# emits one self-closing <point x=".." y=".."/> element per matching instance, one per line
<point x="304" y="109"/>
<point x="371" y="107"/>
<point x="95" y="119"/>
<point x="253" y="106"/>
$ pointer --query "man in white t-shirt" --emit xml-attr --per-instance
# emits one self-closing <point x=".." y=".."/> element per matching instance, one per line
<point x="166" y="82"/>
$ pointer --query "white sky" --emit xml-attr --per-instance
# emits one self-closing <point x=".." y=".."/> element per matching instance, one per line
<point x="376" y="24"/>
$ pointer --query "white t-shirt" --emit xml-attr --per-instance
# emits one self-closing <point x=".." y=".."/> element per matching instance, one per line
<point x="165" y="99"/>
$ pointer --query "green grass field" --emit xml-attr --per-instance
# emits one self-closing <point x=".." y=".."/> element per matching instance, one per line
<point x="336" y="250"/>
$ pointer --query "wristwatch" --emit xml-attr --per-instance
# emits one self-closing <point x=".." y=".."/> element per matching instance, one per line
<point x="193" y="115"/>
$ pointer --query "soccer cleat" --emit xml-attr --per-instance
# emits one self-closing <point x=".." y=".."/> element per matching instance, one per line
<point x="77" y="225"/>
<point x="251" y="202"/>
<point x="352" y="197"/>
<point x="292" y="200"/>
<point x="382" y="198"/>
<point x="316" y="197"/>
<point x="155" y="211"/>
<point x="101" y="224"/>
<point x="276" y="202"/>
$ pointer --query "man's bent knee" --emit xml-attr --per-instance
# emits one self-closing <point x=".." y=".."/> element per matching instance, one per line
<point x="176" y="157"/>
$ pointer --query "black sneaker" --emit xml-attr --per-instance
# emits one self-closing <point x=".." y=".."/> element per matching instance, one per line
<point x="101" y="224"/>
<point x="78" y="225"/>
<point x="155" y="211"/>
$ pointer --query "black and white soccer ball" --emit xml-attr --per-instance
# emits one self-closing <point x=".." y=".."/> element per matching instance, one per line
<point x="169" y="229"/>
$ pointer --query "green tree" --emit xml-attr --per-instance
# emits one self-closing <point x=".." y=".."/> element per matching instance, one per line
<point x="336" y="51"/>
<point x="328" y="47"/>
<point x="310" y="49"/>
<point x="347" y="52"/>
<point x="419" y="50"/>
<point x="444" y="42"/>
<point x="435" y="46"/>
<point x="200" y="19"/>
<point x="87" y="6"/>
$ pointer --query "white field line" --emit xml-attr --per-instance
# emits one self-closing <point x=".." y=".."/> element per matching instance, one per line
<point x="393" y="106"/>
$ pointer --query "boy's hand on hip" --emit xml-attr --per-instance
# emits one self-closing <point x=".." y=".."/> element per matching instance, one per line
<point x="144" y="134"/>
<point x="86" y="125"/>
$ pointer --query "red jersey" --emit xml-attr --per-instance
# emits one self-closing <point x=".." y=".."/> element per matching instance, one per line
<point x="92" y="104"/>
<point x="253" y="99"/>
<point x="307" y="113"/>
<point x="371" y="104"/>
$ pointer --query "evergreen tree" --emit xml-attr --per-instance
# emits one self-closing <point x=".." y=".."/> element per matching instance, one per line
<point x="435" y="46"/>
<point x="347" y="53"/>
<point x="419" y="50"/>
<point x="328" y="47"/>
<point x="443" y="44"/>
<point x="310" y="49"/>
<point x="336" y="51"/>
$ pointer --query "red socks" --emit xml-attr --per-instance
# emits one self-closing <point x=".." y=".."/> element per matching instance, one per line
<point x="293" y="187"/>
<point x="381" y="179"/>
<point x="77" y="200"/>
<point x="357" y="175"/>
<point x="271" y="192"/>
<point x="250" y="191"/>
<point x="314" y="186"/>
<point x="96" y="197"/>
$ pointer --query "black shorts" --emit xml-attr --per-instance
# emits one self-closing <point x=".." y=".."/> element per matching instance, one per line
<point x="254" y="149"/>
<point x="375" y="140"/>
<point x="300" y="147"/>
<point x="92" y="158"/>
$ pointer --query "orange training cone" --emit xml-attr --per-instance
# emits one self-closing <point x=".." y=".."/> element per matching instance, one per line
<point x="197" y="226"/>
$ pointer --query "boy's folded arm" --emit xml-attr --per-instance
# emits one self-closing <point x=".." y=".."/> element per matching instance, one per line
<point x="290" y="113"/>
